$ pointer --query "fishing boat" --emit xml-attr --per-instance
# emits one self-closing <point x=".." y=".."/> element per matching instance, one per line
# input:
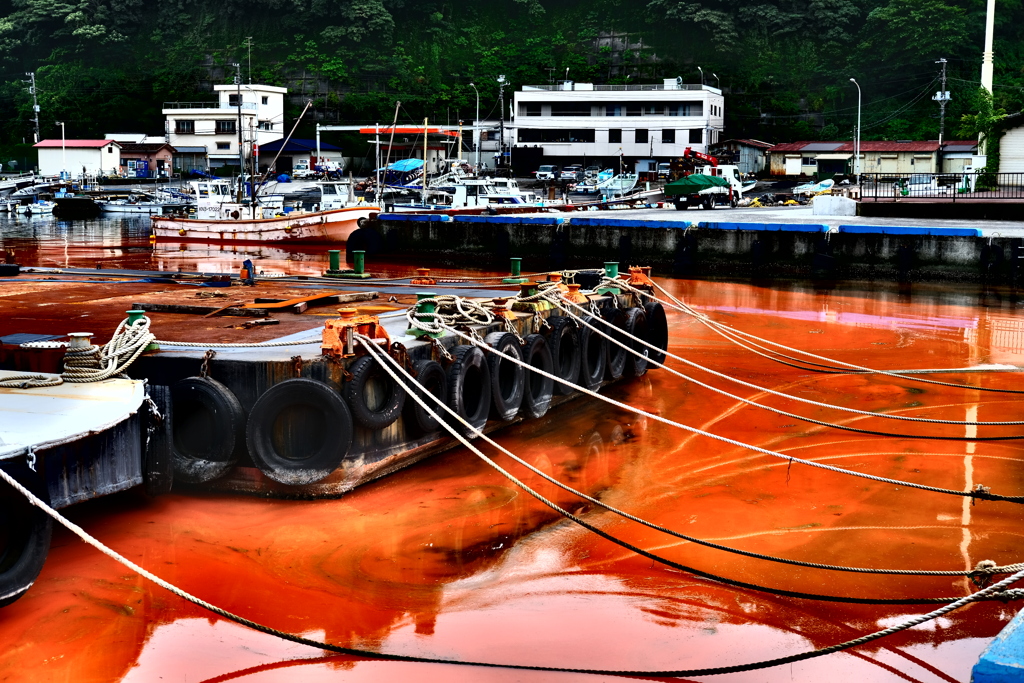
<point x="220" y="217"/>
<point x="38" y="207"/>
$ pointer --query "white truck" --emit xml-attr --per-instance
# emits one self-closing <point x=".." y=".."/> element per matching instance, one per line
<point x="708" y="187"/>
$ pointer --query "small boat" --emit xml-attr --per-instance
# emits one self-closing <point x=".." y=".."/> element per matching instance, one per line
<point x="38" y="207"/>
<point x="143" y="204"/>
<point x="220" y="217"/>
<point x="618" y="185"/>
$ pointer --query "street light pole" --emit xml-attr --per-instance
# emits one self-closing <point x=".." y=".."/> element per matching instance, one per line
<point x="63" y="150"/>
<point x="476" y="127"/>
<point x="701" y="75"/>
<point x="856" y="140"/>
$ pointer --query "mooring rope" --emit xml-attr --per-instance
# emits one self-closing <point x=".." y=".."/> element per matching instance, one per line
<point x="93" y="363"/>
<point x="561" y="303"/>
<point x="985" y="593"/>
<point x="980" y="493"/>
<point x="681" y="306"/>
<point x="983" y="568"/>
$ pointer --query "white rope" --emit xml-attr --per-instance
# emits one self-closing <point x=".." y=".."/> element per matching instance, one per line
<point x="672" y="423"/>
<point x="725" y="330"/>
<point x="93" y="363"/>
<point x="985" y="567"/>
<point x="561" y="302"/>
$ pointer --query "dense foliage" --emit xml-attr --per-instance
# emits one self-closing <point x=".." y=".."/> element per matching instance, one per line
<point x="108" y="65"/>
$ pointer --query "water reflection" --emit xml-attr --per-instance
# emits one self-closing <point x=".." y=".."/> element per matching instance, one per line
<point x="450" y="559"/>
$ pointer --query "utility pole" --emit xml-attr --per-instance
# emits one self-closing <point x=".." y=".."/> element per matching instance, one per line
<point x="501" y="129"/>
<point x="35" y="104"/>
<point x="942" y="97"/>
<point x="987" y="69"/>
<point x="241" y="150"/>
<point x="248" y="43"/>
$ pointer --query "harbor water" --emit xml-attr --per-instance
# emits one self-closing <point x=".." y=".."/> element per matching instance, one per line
<point x="449" y="559"/>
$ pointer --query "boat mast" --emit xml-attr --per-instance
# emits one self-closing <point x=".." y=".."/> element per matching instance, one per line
<point x="423" y="197"/>
<point x="241" y="151"/>
<point x="376" y="165"/>
<point x="391" y="143"/>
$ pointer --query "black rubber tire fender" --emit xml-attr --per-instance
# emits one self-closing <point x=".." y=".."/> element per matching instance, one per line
<point x="635" y="324"/>
<point x="368" y="377"/>
<point x="25" y="538"/>
<point x="208" y="427"/>
<point x="430" y="379"/>
<point x="537" y="389"/>
<point x="299" y="431"/>
<point x="469" y="386"/>
<point x="615" y="361"/>
<point x="593" y="355"/>
<point x="564" y="344"/>
<point x="508" y="379"/>
<point x="657" y="331"/>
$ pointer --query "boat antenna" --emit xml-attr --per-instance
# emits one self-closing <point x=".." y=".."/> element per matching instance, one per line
<point x="273" y="163"/>
<point x="387" y="160"/>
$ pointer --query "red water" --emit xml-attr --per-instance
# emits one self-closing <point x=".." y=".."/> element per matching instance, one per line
<point x="448" y="559"/>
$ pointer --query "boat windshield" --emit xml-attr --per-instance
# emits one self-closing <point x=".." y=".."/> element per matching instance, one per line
<point x="328" y="189"/>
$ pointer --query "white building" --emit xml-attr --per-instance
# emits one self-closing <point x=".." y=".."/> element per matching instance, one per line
<point x="214" y="125"/>
<point x="79" y="157"/>
<point x="577" y="122"/>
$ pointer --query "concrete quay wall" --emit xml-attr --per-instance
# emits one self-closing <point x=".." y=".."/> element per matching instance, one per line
<point x="705" y="248"/>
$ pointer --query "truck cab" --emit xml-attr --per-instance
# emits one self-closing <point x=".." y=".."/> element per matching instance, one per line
<point x="730" y="173"/>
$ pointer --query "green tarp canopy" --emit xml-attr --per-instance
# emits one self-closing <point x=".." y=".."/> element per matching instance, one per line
<point x="692" y="184"/>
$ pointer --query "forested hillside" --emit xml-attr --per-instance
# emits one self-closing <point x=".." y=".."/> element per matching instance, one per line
<point x="108" y="65"/>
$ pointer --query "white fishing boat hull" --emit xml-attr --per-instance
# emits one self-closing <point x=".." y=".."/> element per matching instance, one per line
<point x="111" y="207"/>
<point x="319" y="226"/>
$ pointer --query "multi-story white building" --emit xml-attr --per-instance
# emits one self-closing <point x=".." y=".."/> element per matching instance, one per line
<point x="214" y="125"/>
<point x="577" y="122"/>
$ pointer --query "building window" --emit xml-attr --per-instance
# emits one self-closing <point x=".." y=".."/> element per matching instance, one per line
<point x="266" y="100"/>
<point x="653" y="110"/>
<point x="184" y="126"/>
<point x="226" y="126"/>
<point x="531" y="109"/>
<point x="615" y="136"/>
<point x="808" y="161"/>
<point x="233" y="100"/>
<point x="641" y="136"/>
<point x="223" y="145"/>
<point x="266" y="125"/>
<point x="570" y="109"/>
<point x="668" y="137"/>
<point x="548" y="135"/>
<point x="613" y="110"/>
<point x="696" y="136"/>
<point x="110" y="150"/>
<point x="633" y="110"/>
<point x="686" y="109"/>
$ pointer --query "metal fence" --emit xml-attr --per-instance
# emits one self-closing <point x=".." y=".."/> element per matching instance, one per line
<point x="950" y="187"/>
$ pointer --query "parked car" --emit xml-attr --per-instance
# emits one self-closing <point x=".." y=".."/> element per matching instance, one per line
<point x="573" y="173"/>
<point x="664" y="170"/>
<point x="547" y="172"/>
<point x="921" y="184"/>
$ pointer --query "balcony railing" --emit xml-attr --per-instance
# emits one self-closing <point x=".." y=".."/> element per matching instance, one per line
<point x="950" y="187"/>
<point x="207" y="105"/>
<point x="621" y="88"/>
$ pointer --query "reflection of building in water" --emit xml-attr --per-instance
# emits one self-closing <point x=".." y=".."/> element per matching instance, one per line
<point x="999" y="339"/>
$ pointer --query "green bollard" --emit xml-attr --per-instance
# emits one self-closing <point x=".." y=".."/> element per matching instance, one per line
<point x="135" y="315"/>
<point x="516" y="273"/>
<point x="611" y="270"/>
<point x="357" y="273"/>
<point x="424" y="307"/>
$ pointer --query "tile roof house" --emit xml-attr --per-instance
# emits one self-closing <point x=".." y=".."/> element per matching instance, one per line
<point x="822" y="158"/>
